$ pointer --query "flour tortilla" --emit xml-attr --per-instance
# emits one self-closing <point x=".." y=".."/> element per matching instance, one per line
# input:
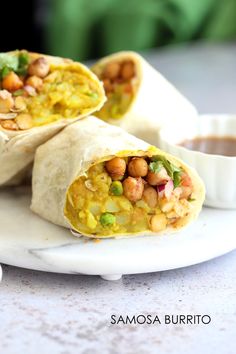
<point x="69" y="155"/>
<point x="17" y="148"/>
<point x="156" y="103"/>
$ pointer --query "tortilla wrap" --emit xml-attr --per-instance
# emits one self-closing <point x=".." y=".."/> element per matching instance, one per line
<point x="154" y="101"/>
<point x="69" y="156"/>
<point x="17" y="148"/>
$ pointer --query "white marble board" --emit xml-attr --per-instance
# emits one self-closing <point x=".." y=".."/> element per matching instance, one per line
<point x="28" y="241"/>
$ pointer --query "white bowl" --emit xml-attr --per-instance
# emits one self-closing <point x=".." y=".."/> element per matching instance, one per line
<point x="218" y="172"/>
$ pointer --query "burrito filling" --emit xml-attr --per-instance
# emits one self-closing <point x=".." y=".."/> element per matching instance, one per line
<point x="34" y="92"/>
<point x="129" y="195"/>
<point x="120" y="84"/>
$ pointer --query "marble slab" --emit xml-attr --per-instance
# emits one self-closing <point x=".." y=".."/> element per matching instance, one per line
<point x="28" y="241"/>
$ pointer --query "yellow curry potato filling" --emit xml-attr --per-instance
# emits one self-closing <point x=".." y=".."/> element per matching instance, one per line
<point x="35" y="92"/>
<point x="129" y="195"/>
<point x="120" y="83"/>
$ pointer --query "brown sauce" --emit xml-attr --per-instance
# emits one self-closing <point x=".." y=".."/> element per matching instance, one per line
<point x="225" y="145"/>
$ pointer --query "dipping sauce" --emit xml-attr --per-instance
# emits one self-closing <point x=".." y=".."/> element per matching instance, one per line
<point x="225" y="145"/>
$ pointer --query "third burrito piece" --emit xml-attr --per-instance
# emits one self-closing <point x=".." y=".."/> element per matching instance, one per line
<point x="139" y="99"/>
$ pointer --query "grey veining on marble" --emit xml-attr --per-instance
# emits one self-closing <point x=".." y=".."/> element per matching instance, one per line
<point x="70" y="314"/>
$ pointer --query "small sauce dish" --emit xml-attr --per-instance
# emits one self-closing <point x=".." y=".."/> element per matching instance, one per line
<point x="215" y="137"/>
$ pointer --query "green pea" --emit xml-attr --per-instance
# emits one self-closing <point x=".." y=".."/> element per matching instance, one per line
<point x="19" y="92"/>
<point x="107" y="219"/>
<point x="116" y="188"/>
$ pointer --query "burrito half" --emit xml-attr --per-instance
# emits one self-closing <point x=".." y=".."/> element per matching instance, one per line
<point x="39" y="95"/>
<point x="139" y="99"/>
<point x="103" y="182"/>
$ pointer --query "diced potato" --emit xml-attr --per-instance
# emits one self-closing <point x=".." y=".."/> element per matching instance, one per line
<point x="91" y="221"/>
<point x="182" y="207"/>
<point x="122" y="218"/>
<point x="125" y="203"/>
<point x="143" y="205"/>
<point x="94" y="208"/>
<point x="111" y="206"/>
<point x="158" y="222"/>
<point x="166" y="206"/>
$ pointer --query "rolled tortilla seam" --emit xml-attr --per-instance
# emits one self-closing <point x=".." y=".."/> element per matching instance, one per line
<point x="17" y="148"/>
<point x="70" y="154"/>
<point x="156" y="101"/>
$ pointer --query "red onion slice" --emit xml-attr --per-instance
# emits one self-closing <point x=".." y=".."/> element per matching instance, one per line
<point x="161" y="190"/>
<point x="169" y="187"/>
<point x="30" y="90"/>
<point x="165" y="190"/>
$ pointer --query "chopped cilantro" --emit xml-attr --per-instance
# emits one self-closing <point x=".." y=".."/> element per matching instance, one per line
<point x="191" y="199"/>
<point x="19" y="92"/>
<point x="173" y="171"/>
<point x="11" y="61"/>
<point x="22" y="71"/>
<point x="5" y="71"/>
<point x="155" y="166"/>
<point x="93" y="95"/>
<point x="23" y="59"/>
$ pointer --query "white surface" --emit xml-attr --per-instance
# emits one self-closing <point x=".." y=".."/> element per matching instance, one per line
<point x="34" y="243"/>
<point x="218" y="172"/>
<point x="70" y="314"/>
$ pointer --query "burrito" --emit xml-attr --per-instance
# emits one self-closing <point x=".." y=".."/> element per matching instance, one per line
<point x="100" y="181"/>
<point x="39" y="95"/>
<point x="139" y="99"/>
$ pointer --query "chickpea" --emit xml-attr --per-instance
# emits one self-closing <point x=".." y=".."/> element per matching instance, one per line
<point x="6" y="101"/>
<point x="150" y="196"/>
<point x="9" y="124"/>
<point x="155" y="179"/>
<point x="108" y="87"/>
<point x="116" y="168"/>
<point x="158" y="222"/>
<point x="35" y="82"/>
<point x="12" y="82"/>
<point x="133" y="188"/>
<point x="24" y="121"/>
<point x="138" y="167"/>
<point x="111" y="71"/>
<point x="127" y="70"/>
<point x="39" y="67"/>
